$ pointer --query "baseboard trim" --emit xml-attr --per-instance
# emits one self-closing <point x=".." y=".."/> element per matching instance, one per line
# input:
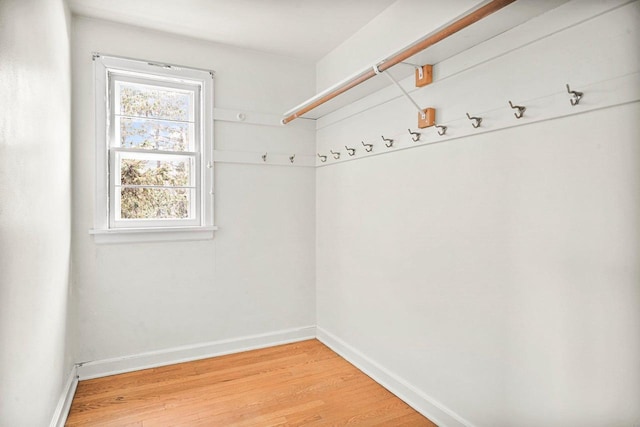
<point x="66" y="397"/>
<point x="169" y="356"/>
<point x="427" y="406"/>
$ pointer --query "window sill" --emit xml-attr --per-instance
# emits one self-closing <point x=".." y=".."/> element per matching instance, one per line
<point x="169" y="234"/>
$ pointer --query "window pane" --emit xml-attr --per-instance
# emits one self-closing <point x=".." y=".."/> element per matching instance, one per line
<point x="155" y="203"/>
<point x="156" y="134"/>
<point x="167" y="173"/>
<point x="141" y="100"/>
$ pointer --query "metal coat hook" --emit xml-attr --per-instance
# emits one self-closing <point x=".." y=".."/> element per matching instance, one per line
<point x="367" y="147"/>
<point x="350" y="151"/>
<point x="520" y="109"/>
<point x="292" y="158"/>
<point x="322" y="158"/>
<point x="414" y="135"/>
<point x="476" y="121"/>
<point x="575" y="96"/>
<point x="336" y="155"/>
<point x="388" y="142"/>
<point x="441" y="129"/>
<point x="264" y="157"/>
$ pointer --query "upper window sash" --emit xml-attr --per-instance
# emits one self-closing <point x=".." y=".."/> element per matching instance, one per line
<point x="193" y="121"/>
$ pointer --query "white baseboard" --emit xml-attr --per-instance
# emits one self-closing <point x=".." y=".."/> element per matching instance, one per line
<point x="169" y="356"/>
<point x="66" y="397"/>
<point x="427" y="406"/>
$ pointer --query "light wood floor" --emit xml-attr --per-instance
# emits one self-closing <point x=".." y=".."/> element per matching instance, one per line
<point x="289" y="385"/>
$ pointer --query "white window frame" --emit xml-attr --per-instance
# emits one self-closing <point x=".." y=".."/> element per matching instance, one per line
<point x="107" y="227"/>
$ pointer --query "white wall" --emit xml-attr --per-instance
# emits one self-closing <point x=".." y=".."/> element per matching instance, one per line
<point x="257" y="275"/>
<point x="497" y="274"/>
<point x="34" y="209"/>
<point x="400" y="25"/>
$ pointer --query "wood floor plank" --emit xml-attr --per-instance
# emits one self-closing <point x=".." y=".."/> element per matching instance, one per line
<point x="297" y="384"/>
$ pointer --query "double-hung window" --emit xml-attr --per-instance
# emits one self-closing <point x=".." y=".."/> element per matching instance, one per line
<point x="154" y="149"/>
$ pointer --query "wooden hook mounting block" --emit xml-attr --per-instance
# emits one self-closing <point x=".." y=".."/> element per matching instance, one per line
<point x="427" y="118"/>
<point x="424" y="75"/>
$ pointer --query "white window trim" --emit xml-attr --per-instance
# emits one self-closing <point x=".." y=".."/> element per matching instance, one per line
<point x="102" y="231"/>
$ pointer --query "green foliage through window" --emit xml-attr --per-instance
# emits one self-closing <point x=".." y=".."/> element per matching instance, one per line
<point x="155" y="118"/>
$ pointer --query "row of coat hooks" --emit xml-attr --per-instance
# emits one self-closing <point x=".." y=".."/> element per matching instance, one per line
<point x="442" y="130"/>
<point x="292" y="157"/>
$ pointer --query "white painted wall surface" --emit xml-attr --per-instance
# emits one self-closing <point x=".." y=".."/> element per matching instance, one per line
<point x="257" y="275"/>
<point x="398" y="26"/>
<point x="497" y="274"/>
<point x="34" y="209"/>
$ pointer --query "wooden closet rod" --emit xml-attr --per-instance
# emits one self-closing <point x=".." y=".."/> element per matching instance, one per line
<point x="450" y="29"/>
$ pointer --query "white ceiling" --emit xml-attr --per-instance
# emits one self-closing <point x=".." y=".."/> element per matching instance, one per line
<point x="304" y="29"/>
